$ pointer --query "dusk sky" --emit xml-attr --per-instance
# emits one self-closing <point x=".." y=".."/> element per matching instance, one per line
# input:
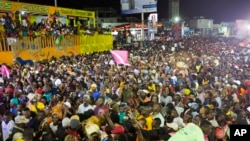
<point x="220" y="10"/>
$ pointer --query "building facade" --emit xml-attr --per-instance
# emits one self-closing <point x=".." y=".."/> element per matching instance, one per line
<point x="104" y="15"/>
<point x="202" y="25"/>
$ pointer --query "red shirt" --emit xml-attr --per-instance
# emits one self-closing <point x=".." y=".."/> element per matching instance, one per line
<point x="39" y="90"/>
<point x="118" y="129"/>
<point x="74" y="133"/>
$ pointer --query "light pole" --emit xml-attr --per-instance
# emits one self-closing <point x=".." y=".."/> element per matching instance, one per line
<point x="142" y="26"/>
<point x="55" y="2"/>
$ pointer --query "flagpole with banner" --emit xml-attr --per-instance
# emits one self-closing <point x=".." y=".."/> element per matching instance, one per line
<point x="5" y="71"/>
<point x="120" y="57"/>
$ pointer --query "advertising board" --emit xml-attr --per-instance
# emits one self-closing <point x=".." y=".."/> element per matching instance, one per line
<point x="138" y="6"/>
<point x="43" y="9"/>
<point x="15" y="6"/>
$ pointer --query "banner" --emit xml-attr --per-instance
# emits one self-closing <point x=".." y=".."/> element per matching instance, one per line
<point x="120" y="57"/>
<point x="138" y="6"/>
<point x="95" y="43"/>
<point x="58" y="43"/>
<point x="5" y="71"/>
<point x="43" y="9"/>
<point x="27" y="7"/>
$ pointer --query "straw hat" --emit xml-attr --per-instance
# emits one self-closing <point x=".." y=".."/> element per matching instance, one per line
<point x="17" y="136"/>
<point x="217" y="84"/>
<point x="76" y="117"/>
<point x="91" y="129"/>
<point x="173" y="126"/>
<point x="66" y="122"/>
<point x="67" y="104"/>
<point x="70" y="138"/>
<point x="21" y="119"/>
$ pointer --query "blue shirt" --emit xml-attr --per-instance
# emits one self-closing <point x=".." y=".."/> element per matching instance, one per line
<point x="14" y="111"/>
<point x="54" y="91"/>
<point x="167" y="69"/>
<point x="96" y="94"/>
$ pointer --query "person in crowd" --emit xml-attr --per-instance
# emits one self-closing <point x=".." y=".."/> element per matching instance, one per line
<point x="85" y="105"/>
<point x="7" y="125"/>
<point x="157" y="113"/>
<point x="20" y="126"/>
<point x="33" y="122"/>
<point x="193" y="132"/>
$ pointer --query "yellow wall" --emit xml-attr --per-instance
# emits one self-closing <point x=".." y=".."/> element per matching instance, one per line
<point x="79" y="44"/>
<point x="7" y="57"/>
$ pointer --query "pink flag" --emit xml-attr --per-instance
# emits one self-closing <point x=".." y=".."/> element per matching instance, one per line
<point x="5" y="71"/>
<point x="120" y="57"/>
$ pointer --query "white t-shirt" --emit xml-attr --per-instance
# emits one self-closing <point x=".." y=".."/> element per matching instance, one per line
<point x="7" y="129"/>
<point x="190" y="132"/>
<point x="82" y="109"/>
<point x="218" y="100"/>
<point x="53" y="127"/>
<point x="159" y="115"/>
<point x="201" y="97"/>
<point x="165" y="100"/>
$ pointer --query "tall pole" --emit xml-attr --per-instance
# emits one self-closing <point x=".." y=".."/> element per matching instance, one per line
<point x="55" y="2"/>
<point x="142" y="26"/>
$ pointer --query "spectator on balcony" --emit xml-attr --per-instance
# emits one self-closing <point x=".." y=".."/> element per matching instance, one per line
<point x="9" y="25"/>
<point x="2" y="30"/>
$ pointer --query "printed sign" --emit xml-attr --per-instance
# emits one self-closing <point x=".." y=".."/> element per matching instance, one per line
<point x="7" y="5"/>
<point x="138" y="6"/>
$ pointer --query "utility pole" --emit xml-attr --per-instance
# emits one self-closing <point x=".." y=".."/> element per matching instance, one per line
<point x="55" y="2"/>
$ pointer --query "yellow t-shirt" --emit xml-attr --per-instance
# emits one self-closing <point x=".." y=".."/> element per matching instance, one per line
<point x="122" y="85"/>
<point x="57" y="109"/>
<point x="2" y="31"/>
<point x="149" y="121"/>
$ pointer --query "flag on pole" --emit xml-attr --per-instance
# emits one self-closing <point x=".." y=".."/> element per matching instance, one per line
<point x="120" y="57"/>
<point x="59" y="39"/>
<point x="5" y="71"/>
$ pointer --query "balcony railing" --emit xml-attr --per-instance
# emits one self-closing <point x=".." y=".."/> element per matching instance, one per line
<point x="79" y="44"/>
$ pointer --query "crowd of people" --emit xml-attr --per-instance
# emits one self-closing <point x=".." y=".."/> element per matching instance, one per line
<point x="192" y="90"/>
<point x="18" y="25"/>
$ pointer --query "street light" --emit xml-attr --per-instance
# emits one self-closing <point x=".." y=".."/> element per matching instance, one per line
<point x="133" y="32"/>
<point x="176" y="19"/>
